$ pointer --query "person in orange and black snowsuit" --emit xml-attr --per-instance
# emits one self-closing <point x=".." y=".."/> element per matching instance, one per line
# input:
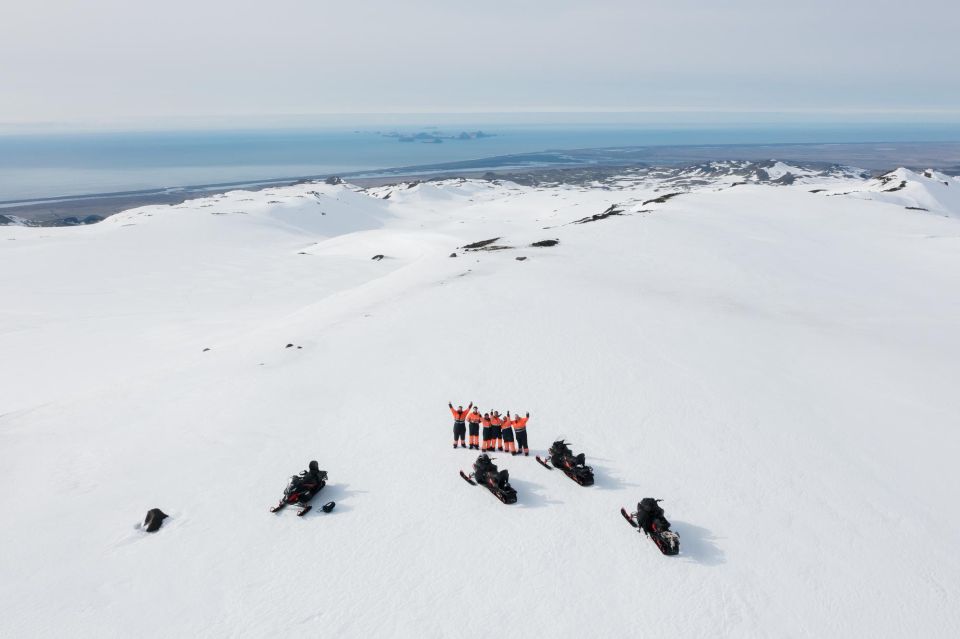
<point x="520" y="429"/>
<point x="496" y="424"/>
<point x="506" y="431"/>
<point x="459" y="424"/>
<point x="473" y="421"/>
<point x="486" y="432"/>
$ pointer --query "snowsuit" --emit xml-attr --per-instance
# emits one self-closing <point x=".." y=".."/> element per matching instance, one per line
<point x="459" y="425"/>
<point x="496" y="427"/>
<point x="507" y="431"/>
<point x="520" y="429"/>
<point x="486" y="432"/>
<point x="473" y="420"/>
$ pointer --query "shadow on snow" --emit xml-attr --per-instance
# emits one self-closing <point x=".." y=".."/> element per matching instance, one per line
<point x="530" y="494"/>
<point x="698" y="544"/>
<point x="339" y="493"/>
<point x="602" y="478"/>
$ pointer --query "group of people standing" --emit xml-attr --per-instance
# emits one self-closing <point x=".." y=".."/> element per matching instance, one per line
<point x="499" y="430"/>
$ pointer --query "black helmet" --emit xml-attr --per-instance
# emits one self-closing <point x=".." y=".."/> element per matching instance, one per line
<point x="314" y="467"/>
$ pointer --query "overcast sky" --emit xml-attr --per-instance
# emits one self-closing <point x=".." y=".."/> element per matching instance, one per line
<point x="106" y="61"/>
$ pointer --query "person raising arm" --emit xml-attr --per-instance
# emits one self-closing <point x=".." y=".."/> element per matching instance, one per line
<point x="520" y="428"/>
<point x="459" y="423"/>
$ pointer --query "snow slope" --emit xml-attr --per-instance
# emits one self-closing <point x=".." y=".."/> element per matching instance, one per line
<point x="929" y="191"/>
<point x="778" y="365"/>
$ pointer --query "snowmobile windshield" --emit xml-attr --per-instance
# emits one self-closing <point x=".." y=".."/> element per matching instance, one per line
<point x="292" y="485"/>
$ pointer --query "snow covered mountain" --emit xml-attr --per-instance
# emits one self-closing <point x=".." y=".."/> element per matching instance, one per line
<point x="775" y="358"/>
<point x="928" y="191"/>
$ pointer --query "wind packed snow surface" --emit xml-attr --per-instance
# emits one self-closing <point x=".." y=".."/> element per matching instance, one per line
<point x="780" y="366"/>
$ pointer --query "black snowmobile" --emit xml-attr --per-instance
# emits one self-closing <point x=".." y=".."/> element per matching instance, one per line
<point x="650" y="519"/>
<point x="560" y="456"/>
<point x="497" y="481"/>
<point x="304" y="487"/>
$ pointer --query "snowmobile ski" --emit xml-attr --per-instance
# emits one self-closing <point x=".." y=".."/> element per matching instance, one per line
<point x="629" y="518"/>
<point x="327" y="507"/>
<point x="467" y="479"/>
<point x="543" y="463"/>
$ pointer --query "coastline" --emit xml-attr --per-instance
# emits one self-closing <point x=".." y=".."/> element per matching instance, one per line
<point x="558" y="165"/>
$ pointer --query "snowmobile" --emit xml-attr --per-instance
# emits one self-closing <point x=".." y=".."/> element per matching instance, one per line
<point x="304" y="487"/>
<point x="650" y="519"/>
<point x="497" y="481"/>
<point x="560" y="456"/>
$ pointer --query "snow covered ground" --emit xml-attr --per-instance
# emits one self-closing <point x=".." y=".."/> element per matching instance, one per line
<point x="779" y="365"/>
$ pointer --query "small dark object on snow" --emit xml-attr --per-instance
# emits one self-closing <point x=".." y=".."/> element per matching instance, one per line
<point x="611" y="210"/>
<point x="205" y="350"/>
<point x="521" y="258"/>
<point x="479" y="244"/>
<point x="333" y="179"/>
<point x="546" y="243"/>
<point x="916" y="208"/>
<point x="453" y="255"/>
<point x="661" y="199"/>
<point x="299" y="347"/>
<point x="289" y="346"/>
<point x="377" y="257"/>
<point x="154" y="519"/>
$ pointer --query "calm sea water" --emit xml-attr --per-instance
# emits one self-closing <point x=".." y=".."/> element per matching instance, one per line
<point x="41" y="166"/>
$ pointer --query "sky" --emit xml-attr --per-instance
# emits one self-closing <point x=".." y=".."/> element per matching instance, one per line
<point x="112" y="62"/>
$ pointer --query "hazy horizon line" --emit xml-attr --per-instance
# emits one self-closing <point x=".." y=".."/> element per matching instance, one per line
<point x="676" y="116"/>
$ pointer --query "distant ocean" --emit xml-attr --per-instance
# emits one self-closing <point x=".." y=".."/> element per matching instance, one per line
<point x="46" y="165"/>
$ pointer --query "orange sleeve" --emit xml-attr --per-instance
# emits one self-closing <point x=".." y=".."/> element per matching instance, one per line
<point x="453" y="411"/>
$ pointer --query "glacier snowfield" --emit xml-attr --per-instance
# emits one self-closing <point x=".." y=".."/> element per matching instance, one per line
<point x="777" y="358"/>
